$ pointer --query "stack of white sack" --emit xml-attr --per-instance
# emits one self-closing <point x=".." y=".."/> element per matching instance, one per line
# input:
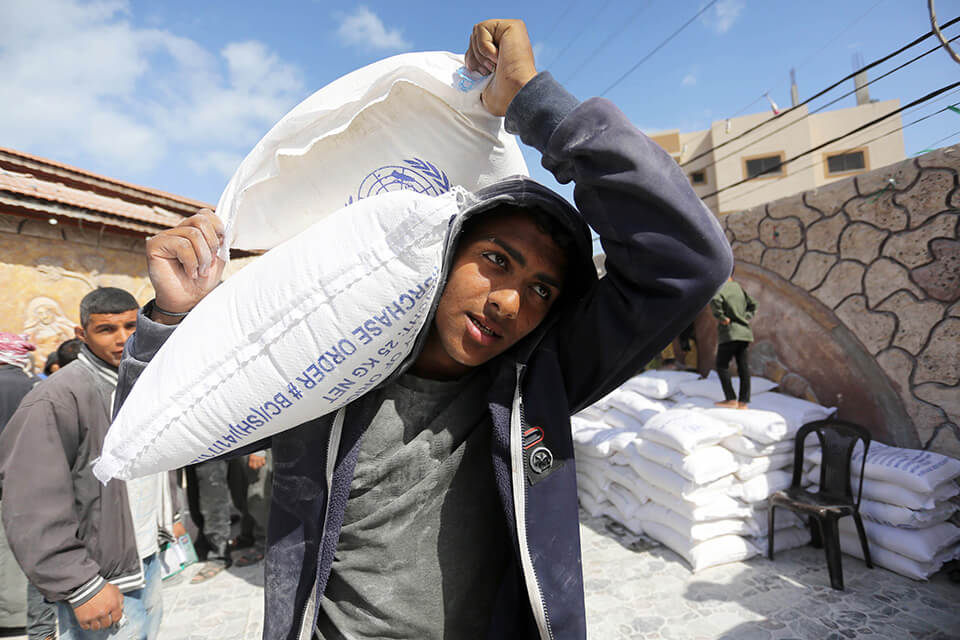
<point x="699" y="476"/>
<point x="764" y="450"/>
<point x="689" y="478"/>
<point x="906" y="506"/>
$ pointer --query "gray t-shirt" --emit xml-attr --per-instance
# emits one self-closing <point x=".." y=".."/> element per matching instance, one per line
<point x="424" y="542"/>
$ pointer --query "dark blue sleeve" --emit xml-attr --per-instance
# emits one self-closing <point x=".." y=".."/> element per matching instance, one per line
<point x="666" y="254"/>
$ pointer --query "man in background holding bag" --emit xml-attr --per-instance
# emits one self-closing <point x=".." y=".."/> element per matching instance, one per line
<point x="450" y="508"/>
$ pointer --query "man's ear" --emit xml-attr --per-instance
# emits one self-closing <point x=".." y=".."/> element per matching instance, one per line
<point x="79" y="333"/>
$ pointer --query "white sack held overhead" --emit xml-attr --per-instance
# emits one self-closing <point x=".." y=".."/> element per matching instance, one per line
<point x="296" y="334"/>
<point x="410" y="122"/>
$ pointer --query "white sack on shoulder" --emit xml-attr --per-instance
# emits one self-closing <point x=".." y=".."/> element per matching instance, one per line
<point x="914" y="469"/>
<point x="296" y="334"/>
<point x="686" y="430"/>
<point x="409" y="122"/>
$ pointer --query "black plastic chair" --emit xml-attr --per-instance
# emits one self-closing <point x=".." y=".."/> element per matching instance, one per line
<point x="835" y="498"/>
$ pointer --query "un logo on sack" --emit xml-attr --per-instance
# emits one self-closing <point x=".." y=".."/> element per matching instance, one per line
<point x="413" y="175"/>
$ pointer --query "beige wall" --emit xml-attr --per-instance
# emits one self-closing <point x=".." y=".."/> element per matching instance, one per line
<point x="828" y="125"/>
<point x="45" y="270"/>
<point x="800" y="132"/>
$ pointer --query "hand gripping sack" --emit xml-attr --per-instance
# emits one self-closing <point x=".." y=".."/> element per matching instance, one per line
<point x="410" y="122"/>
<point x="296" y="334"/>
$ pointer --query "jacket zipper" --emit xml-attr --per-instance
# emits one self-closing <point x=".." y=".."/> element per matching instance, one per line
<point x="534" y="592"/>
<point x="333" y="446"/>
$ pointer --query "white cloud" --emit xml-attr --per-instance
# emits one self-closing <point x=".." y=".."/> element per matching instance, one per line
<point x="723" y="14"/>
<point x="79" y="77"/>
<point x="689" y="80"/>
<point x="365" y="30"/>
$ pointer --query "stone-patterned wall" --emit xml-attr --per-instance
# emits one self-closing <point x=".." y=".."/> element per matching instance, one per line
<point x="880" y="251"/>
<point x="45" y="270"/>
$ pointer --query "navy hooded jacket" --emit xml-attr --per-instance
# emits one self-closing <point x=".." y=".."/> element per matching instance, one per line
<point x="665" y="257"/>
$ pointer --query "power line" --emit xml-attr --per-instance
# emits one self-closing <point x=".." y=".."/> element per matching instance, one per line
<point x="580" y="32"/>
<point x="929" y="96"/>
<point x="560" y="18"/>
<point x="813" y="55"/>
<point x="872" y="140"/>
<point x="823" y="91"/>
<point x="818" y="109"/>
<point x="933" y="145"/>
<point x="606" y="41"/>
<point x="660" y="46"/>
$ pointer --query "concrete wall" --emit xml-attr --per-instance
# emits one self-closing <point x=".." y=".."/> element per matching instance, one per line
<point x="859" y="290"/>
<point x="45" y="270"/>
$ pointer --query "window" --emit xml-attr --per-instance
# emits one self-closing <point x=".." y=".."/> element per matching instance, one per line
<point x="764" y="166"/>
<point x="847" y="162"/>
<point x="698" y="177"/>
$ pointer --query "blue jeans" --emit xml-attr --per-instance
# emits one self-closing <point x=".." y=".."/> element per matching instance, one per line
<point x="142" y="610"/>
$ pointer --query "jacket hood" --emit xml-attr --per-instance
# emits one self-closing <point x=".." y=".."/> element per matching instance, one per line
<point x="526" y="193"/>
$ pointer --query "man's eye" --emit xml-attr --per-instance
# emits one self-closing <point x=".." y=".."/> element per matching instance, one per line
<point x="496" y="258"/>
<point x="542" y="291"/>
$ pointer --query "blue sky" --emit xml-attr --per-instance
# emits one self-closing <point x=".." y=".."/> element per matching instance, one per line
<point x="173" y="94"/>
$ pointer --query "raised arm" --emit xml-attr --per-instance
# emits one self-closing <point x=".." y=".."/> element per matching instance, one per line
<point x="665" y="252"/>
<point x="183" y="267"/>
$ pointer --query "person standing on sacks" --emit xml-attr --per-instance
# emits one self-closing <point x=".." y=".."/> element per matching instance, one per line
<point x="90" y="548"/>
<point x="450" y="509"/>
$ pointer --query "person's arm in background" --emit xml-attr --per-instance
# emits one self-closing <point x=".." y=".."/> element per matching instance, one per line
<point x="716" y="308"/>
<point x="666" y="253"/>
<point x="751" y="305"/>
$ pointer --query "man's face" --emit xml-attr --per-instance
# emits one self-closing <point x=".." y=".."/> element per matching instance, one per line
<point x="505" y="277"/>
<point x="106" y="333"/>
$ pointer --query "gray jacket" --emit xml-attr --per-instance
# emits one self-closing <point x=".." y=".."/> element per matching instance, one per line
<point x="68" y="532"/>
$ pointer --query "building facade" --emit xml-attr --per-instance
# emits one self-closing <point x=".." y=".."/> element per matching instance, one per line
<point x="760" y="156"/>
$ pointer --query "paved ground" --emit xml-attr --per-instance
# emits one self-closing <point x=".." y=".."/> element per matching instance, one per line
<point x="640" y="590"/>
